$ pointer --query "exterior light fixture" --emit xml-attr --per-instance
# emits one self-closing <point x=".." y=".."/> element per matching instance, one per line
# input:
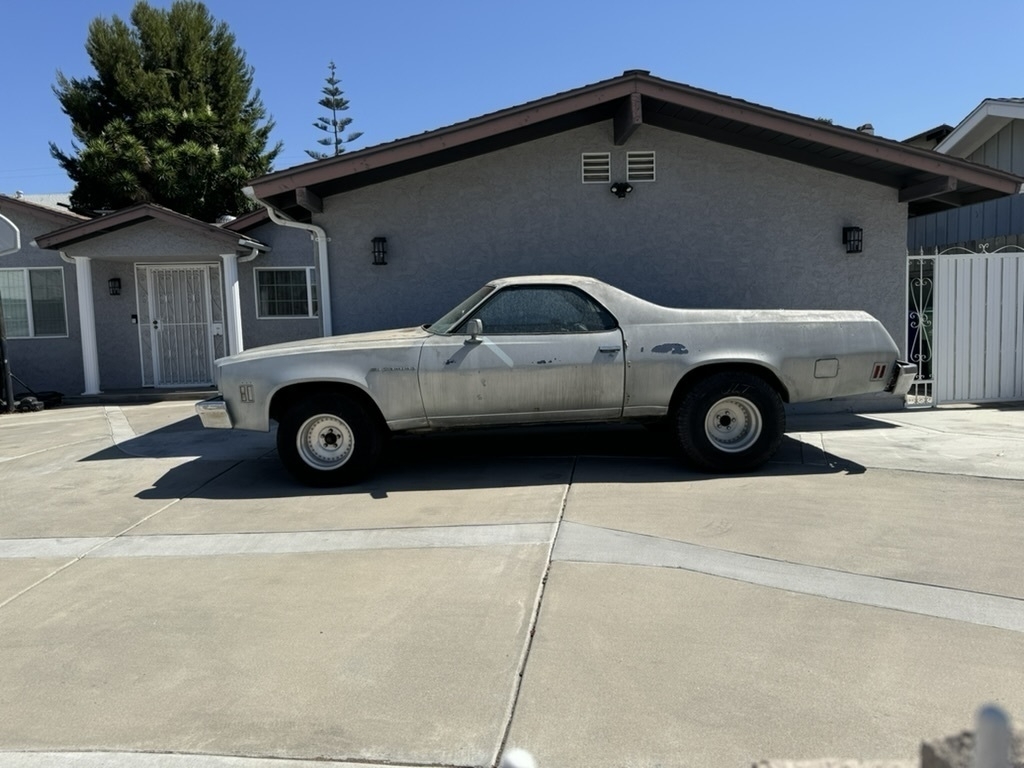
<point x="853" y="239"/>
<point x="621" y="188"/>
<point x="380" y="251"/>
<point x="114" y="286"/>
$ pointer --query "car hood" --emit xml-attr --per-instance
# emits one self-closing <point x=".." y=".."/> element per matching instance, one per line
<point x="353" y="341"/>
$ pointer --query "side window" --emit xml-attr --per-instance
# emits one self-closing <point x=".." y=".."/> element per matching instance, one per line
<point x="33" y="302"/>
<point x="543" y="309"/>
<point x="286" y="293"/>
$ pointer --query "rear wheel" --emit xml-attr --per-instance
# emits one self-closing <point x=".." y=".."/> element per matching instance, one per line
<point x="328" y="440"/>
<point x="729" y="422"/>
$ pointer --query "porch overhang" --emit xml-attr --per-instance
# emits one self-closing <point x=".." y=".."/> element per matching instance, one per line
<point x="210" y="240"/>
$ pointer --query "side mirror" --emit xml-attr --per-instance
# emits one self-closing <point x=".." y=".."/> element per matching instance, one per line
<point x="475" y="329"/>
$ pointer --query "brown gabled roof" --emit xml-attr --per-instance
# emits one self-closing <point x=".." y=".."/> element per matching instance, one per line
<point x="129" y="217"/>
<point x="57" y="218"/>
<point x="636" y="98"/>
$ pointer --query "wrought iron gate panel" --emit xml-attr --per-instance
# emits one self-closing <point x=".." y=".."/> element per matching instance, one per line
<point x="181" y="325"/>
<point x="921" y="327"/>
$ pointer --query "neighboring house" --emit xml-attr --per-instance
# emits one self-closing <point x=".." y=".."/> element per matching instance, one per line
<point x="992" y="135"/>
<point x="967" y="269"/>
<point x="682" y="196"/>
<point x="40" y="302"/>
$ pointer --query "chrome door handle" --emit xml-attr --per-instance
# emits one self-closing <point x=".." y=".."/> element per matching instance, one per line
<point x="609" y="349"/>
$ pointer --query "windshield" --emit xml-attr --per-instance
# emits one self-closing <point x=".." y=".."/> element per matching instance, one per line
<point x="455" y="316"/>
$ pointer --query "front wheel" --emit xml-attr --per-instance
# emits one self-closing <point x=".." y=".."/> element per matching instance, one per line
<point x="729" y="422"/>
<point x="328" y="440"/>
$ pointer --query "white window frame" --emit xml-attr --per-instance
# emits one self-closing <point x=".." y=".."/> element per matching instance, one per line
<point x="28" y="293"/>
<point x="592" y="156"/>
<point x="644" y="154"/>
<point x="311" y="285"/>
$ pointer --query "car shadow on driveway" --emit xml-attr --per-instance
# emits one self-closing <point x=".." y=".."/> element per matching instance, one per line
<point x="460" y="460"/>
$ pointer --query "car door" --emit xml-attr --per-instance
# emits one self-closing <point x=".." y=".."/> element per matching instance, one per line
<point x="546" y="353"/>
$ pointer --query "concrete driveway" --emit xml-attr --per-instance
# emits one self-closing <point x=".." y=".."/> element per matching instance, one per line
<point x="170" y="598"/>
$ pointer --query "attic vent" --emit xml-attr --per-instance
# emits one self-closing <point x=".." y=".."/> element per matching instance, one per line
<point x="640" y="166"/>
<point x="597" y="167"/>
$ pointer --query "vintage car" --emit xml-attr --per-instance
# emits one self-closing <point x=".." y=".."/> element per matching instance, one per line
<point x="549" y="349"/>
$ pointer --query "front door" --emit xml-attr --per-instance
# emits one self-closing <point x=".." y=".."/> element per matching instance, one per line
<point x="180" y="325"/>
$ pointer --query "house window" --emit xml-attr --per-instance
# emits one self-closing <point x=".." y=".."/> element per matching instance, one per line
<point x="33" y="301"/>
<point x="286" y="293"/>
<point x="639" y="166"/>
<point x="597" y="167"/>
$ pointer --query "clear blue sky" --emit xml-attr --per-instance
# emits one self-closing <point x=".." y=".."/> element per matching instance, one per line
<point x="409" y="66"/>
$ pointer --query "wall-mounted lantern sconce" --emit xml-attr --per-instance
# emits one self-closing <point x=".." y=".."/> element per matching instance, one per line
<point x="114" y="286"/>
<point x="853" y="239"/>
<point x="621" y="188"/>
<point x="380" y="251"/>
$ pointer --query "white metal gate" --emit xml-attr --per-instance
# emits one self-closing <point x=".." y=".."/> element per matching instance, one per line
<point x="178" y="325"/>
<point x="966" y="326"/>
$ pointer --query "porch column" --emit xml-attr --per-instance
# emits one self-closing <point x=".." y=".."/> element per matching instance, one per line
<point x="233" y="306"/>
<point x="87" y="324"/>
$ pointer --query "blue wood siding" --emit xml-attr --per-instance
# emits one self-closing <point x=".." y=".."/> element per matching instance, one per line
<point x="972" y="223"/>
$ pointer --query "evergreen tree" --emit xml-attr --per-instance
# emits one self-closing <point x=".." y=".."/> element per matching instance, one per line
<point x="334" y="126"/>
<point x="169" y="117"/>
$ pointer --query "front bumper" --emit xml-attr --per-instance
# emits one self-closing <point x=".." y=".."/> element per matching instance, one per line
<point x="213" y="413"/>
<point x="903" y="376"/>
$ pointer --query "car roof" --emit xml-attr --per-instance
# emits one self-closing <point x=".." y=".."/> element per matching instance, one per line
<point x="576" y="280"/>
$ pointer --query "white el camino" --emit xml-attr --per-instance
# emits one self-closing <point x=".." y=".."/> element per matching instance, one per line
<point x="550" y="349"/>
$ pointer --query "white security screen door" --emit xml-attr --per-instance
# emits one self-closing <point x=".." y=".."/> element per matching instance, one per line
<point x="181" y="325"/>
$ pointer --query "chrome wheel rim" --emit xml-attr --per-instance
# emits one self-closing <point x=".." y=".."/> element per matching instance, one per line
<point x="325" y="441"/>
<point x="733" y="424"/>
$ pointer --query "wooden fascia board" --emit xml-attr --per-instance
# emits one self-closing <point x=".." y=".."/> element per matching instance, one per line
<point x="404" y="150"/>
<point x="987" y="119"/>
<point x="284" y="185"/>
<point x="782" y="151"/>
<point x="840" y="138"/>
<point x="128" y="217"/>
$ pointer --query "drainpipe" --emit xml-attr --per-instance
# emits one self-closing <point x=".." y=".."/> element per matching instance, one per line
<point x="319" y="237"/>
<point x="233" y="304"/>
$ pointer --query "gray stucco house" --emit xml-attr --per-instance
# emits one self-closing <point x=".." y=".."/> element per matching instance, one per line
<point x="682" y="196"/>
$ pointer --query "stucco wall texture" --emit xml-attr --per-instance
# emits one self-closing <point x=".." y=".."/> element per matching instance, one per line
<point x="720" y="227"/>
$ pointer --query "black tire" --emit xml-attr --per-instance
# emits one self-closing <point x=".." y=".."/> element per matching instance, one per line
<point x="729" y="422"/>
<point x="328" y="440"/>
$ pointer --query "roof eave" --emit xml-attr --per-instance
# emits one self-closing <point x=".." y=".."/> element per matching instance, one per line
<point x="128" y="217"/>
<point x="986" y="120"/>
<point x="871" y="158"/>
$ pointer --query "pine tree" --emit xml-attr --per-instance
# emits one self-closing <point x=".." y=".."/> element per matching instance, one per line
<point x="169" y="117"/>
<point x="334" y="126"/>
